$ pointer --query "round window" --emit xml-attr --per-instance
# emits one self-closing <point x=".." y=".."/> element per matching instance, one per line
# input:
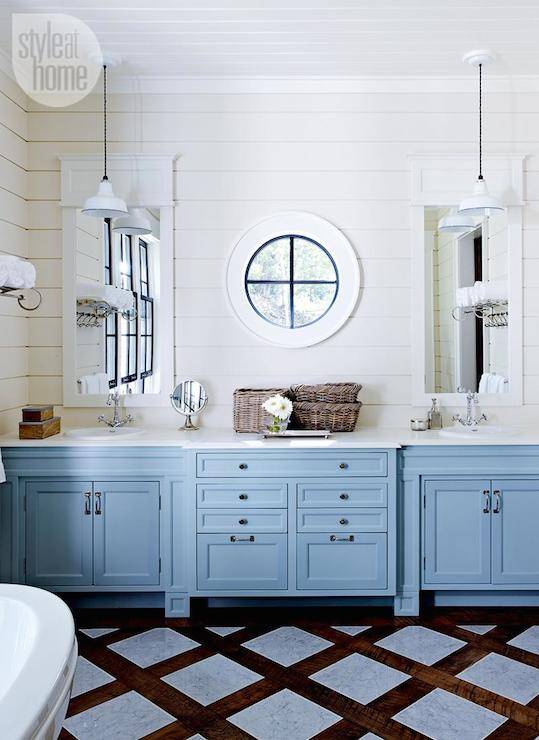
<point x="291" y="281"/>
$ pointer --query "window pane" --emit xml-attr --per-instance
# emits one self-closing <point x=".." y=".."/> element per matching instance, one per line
<point x="311" y="262"/>
<point x="272" y="262"/>
<point x="271" y="301"/>
<point x="311" y="302"/>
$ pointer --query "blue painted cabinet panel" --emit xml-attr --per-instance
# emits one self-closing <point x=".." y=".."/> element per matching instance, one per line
<point x="342" y="520"/>
<point x="330" y="492"/>
<point x="59" y="533"/>
<point x="241" y="562"/>
<point x="126" y="533"/>
<point x="515" y="531"/>
<point x="341" y="562"/>
<point x="260" y="495"/>
<point x="249" y="520"/>
<point x="279" y="465"/>
<point x="457" y="531"/>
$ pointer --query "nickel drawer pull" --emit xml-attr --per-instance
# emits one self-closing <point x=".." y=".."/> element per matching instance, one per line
<point x="334" y="538"/>
<point x="486" y="501"/>
<point x="497" y="497"/>
<point x="233" y="538"/>
<point x="343" y="521"/>
<point x="343" y="466"/>
<point x="242" y="521"/>
<point x="98" y="503"/>
<point x="344" y="496"/>
<point x="87" y="504"/>
<point x="243" y="497"/>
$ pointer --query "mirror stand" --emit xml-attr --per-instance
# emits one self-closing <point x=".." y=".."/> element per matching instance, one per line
<point x="188" y="425"/>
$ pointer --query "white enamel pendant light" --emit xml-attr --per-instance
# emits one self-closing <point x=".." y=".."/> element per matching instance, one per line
<point x="104" y="204"/>
<point x="480" y="202"/>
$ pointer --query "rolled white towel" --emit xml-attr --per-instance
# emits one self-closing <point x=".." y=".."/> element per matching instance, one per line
<point x="118" y="298"/>
<point x="16" y="273"/>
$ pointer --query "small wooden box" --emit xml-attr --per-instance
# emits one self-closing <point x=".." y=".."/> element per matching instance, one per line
<point x="39" y="429"/>
<point x="37" y="413"/>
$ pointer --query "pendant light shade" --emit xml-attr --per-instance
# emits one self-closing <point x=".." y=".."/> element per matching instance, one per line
<point x="135" y="223"/>
<point x="480" y="202"/>
<point x="104" y="204"/>
<point x="456" y="223"/>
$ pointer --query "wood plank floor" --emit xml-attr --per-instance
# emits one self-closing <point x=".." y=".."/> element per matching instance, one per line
<point x="334" y="714"/>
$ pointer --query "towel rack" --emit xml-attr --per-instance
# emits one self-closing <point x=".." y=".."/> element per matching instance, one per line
<point x="21" y="294"/>
<point x="494" y="314"/>
<point x="92" y="313"/>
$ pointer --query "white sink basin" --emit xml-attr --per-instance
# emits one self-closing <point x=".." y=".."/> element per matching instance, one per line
<point x="486" y="431"/>
<point x="103" y="434"/>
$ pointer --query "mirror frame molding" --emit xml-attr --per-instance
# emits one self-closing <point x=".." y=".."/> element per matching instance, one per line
<point x="442" y="180"/>
<point x="142" y="180"/>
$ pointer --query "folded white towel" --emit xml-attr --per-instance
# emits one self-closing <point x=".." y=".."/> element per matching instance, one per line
<point x="2" y="471"/>
<point x="16" y="273"/>
<point x="492" y="385"/>
<point x="122" y="300"/>
<point x="94" y="384"/>
<point x="483" y="383"/>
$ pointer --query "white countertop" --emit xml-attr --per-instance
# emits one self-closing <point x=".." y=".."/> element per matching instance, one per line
<point x="368" y="437"/>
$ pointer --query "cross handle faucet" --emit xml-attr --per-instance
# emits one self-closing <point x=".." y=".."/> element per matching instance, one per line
<point x="116" y="421"/>
<point x="471" y="419"/>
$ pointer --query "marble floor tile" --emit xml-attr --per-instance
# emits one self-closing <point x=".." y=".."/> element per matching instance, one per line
<point x="284" y="715"/>
<point x="353" y="631"/>
<point x="504" y="676"/>
<point x="127" y="717"/>
<point x="360" y="678"/>
<point x="527" y="640"/>
<point x="479" y="629"/>
<point x="224" y="631"/>
<point x="211" y="679"/>
<point x="94" y="632"/>
<point x="88" y="676"/>
<point x="287" y="645"/>
<point x="421" y="644"/>
<point x="153" y="646"/>
<point x="445" y="716"/>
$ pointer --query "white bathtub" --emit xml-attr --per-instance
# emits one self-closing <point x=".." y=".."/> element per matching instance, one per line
<point x="38" y="653"/>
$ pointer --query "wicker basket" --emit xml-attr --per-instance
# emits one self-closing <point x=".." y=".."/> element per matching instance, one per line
<point x="331" y="392"/>
<point x="249" y="416"/>
<point x="337" y="417"/>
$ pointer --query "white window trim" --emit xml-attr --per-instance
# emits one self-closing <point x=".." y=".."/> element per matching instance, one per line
<point x="319" y="230"/>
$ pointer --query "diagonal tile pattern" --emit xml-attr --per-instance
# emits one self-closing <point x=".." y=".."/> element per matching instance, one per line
<point x="307" y="676"/>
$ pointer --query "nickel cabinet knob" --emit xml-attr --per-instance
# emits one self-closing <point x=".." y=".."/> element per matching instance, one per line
<point x="243" y="466"/>
<point x="343" y="521"/>
<point x="243" y="496"/>
<point x="343" y="466"/>
<point x="242" y="521"/>
<point x="344" y="496"/>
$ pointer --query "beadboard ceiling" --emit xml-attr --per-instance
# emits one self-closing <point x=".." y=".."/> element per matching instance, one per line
<point x="170" y="38"/>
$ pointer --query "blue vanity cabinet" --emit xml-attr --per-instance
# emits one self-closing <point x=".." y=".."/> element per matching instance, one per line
<point x="59" y="533"/>
<point x="515" y="531"/>
<point x="456" y="543"/>
<point x="126" y="533"/>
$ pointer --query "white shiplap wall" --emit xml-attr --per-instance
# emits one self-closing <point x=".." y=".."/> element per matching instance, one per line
<point x="14" y="323"/>
<point x="249" y="148"/>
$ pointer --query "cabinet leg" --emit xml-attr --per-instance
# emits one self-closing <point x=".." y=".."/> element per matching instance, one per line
<point x="406" y="604"/>
<point x="177" y="604"/>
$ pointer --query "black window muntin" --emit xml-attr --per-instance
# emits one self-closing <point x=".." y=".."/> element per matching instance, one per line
<point x="291" y="280"/>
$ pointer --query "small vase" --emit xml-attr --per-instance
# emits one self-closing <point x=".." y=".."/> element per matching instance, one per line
<point x="278" y="426"/>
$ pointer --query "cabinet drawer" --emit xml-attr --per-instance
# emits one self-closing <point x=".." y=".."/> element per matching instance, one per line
<point x="241" y="562"/>
<point x="346" y="520"/>
<point x="278" y="465"/>
<point x="250" y="520"/>
<point x="353" y="561"/>
<point x="342" y="493"/>
<point x="236" y="495"/>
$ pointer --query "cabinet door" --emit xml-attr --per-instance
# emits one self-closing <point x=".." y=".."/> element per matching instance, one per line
<point x="457" y="531"/>
<point x="126" y="533"/>
<point x="253" y="562"/>
<point x="59" y="533"/>
<point x="515" y="519"/>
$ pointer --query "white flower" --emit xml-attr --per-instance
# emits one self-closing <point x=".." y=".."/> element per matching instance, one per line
<point x="278" y="406"/>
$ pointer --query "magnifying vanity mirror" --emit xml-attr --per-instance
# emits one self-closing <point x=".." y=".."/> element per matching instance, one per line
<point x="189" y="398"/>
<point x="467" y="303"/>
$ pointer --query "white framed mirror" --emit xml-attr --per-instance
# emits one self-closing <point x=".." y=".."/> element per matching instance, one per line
<point x="467" y="285"/>
<point x="118" y="287"/>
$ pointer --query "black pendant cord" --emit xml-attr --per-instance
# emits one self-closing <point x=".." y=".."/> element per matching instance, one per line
<point x="480" y="122"/>
<point x="105" y="120"/>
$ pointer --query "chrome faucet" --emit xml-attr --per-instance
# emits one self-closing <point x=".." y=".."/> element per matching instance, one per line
<point x="116" y="421"/>
<point x="472" y="420"/>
